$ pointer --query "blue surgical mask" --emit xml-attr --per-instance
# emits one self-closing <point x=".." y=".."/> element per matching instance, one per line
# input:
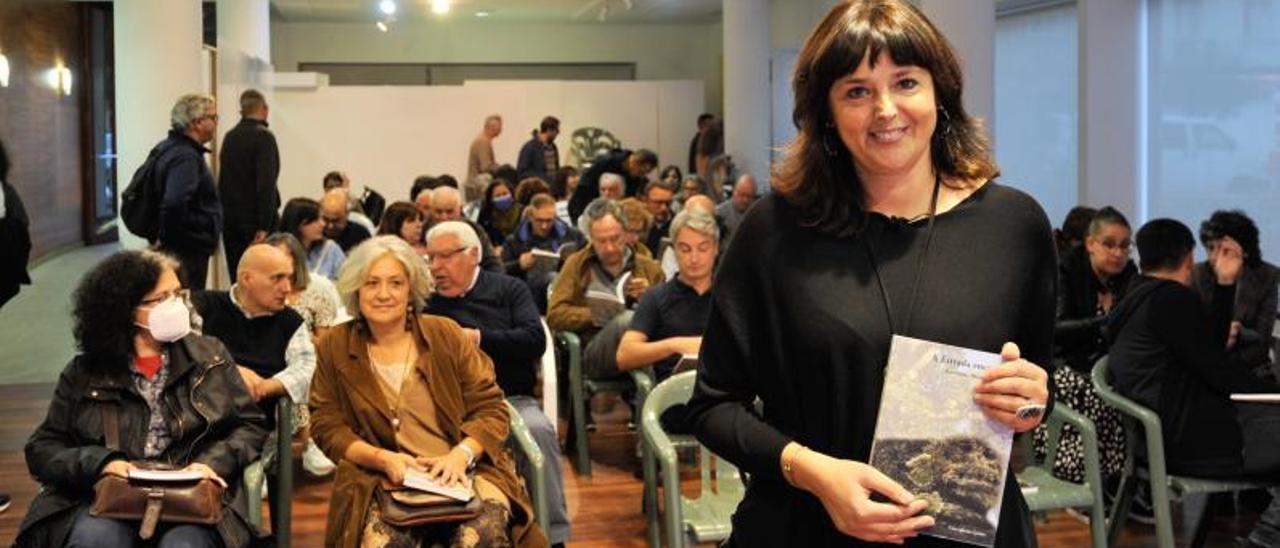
<point x="503" y="203"/>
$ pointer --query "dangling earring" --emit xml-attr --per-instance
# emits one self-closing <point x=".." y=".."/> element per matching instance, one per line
<point x="944" y="121"/>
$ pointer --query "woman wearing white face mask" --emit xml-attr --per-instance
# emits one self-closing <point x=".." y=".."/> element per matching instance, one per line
<point x="176" y="400"/>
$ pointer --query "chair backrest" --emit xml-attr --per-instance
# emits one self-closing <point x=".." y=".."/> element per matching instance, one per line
<point x="676" y="390"/>
<point x="1136" y="417"/>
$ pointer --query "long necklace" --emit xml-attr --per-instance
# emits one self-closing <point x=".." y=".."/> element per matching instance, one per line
<point x="920" y="266"/>
<point x="399" y="378"/>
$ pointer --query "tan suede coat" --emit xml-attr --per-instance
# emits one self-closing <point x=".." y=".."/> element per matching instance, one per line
<point x="347" y="405"/>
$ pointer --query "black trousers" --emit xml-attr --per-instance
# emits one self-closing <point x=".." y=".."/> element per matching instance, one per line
<point x="235" y="241"/>
<point x="195" y="267"/>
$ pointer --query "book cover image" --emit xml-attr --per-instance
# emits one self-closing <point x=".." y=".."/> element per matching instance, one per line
<point x="934" y="440"/>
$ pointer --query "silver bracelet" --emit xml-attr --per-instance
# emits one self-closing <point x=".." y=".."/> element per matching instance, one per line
<point x="471" y="455"/>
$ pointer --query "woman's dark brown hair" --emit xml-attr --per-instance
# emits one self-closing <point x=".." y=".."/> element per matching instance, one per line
<point x="396" y="216"/>
<point x="825" y="186"/>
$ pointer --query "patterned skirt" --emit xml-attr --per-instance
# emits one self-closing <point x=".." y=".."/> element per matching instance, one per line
<point x="1075" y="390"/>
<point x="489" y="529"/>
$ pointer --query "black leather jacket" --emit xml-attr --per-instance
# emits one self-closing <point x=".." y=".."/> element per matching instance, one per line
<point x="211" y="416"/>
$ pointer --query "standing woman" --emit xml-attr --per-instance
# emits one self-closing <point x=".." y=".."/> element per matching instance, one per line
<point x="395" y="390"/>
<point x="881" y="203"/>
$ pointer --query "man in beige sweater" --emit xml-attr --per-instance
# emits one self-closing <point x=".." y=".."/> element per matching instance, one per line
<point x="480" y="156"/>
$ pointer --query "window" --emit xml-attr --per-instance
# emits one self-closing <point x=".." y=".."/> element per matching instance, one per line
<point x="1214" y="112"/>
<point x="1036" y="129"/>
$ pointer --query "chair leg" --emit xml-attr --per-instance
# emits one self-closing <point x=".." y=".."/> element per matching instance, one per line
<point x="1205" y="522"/>
<point x="650" y="500"/>
<point x="1163" y="509"/>
<point x="1120" y="512"/>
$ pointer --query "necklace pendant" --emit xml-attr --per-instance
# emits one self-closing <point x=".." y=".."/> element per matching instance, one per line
<point x="395" y="423"/>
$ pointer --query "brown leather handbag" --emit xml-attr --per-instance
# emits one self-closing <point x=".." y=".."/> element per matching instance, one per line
<point x="407" y="508"/>
<point x="152" y="502"/>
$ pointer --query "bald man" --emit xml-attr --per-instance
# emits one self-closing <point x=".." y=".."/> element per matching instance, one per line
<point x="732" y="211"/>
<point x="333" y="210"/>
<point x="268" y="340"/>
<point x="446" y="205"/>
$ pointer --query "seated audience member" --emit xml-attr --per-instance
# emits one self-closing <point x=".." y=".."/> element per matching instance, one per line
<point x="1245" y="282"/>
<point x="314" y="297"/>
<point x="638" y="223"/>
<point x="658" y="196"/>
<point x="612" y="187"/>
<point x="139" y="362"/>
<point x="499" y="213"/>
<point x="1167" y="353"/>
<point x="301" y="219"/>
<point x="563" y="186"/>
<point x="694" y="202"/>
<point x="446" y="205"/>
<point x="421" y="183"/>
<point x="1073" y="230"/>
<point x="600" y="267"/>
<point x="691" y="186"/>
<point x="404" y="220"/>
<point x="422" y="202"/>
<point x="634" y="166"/>
<point x="497" y="313"/>
<point x="530" y="187"/>
<point x="1091" y="279"/>
<point x="670" y="318"/>
<point x="731" y="212"/>
<point x="447" y="180"/>
<point x="398" y="392"/>
<point x="539" y="157"/>
<point x="355" y="209"/>
<point x="268" y="339"/>
<point x="542" y="230"/>
<point x="333" y="209"/>
<point x="671" y="175"/>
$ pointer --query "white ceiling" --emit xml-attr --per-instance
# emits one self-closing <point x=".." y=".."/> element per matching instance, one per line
<point x="582" y="11"/>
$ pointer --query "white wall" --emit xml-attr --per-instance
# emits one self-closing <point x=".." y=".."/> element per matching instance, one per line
<point x="660" y="52"/>
<point x="384" y="136"/>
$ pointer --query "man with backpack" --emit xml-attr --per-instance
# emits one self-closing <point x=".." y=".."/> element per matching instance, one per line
<point x="172" y="200"/>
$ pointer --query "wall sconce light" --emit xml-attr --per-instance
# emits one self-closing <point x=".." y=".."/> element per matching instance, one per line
<point x="4" y="71"/>
<point x="59" y="78"/>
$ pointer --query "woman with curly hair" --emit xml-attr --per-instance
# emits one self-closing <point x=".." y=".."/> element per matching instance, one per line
<point x="403" y="219"/>
<point x="176" y="398"/>
<point x="1243" y="281"/>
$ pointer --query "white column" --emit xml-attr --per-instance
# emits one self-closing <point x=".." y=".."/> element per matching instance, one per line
<point x="746" y="85"/>
<point x="157" y="59"/>
<point x="244" y="54"/>
<point x="1112" y="85"/>
<point x="970" y="26"/>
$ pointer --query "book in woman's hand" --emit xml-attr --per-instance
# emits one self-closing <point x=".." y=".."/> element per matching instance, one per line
<point x="934" y="440"/>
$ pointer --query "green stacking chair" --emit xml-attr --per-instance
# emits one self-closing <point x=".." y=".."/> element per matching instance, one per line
<point x="281" y="494"/>
<point x="1051" y="493"/>
<point x="1142" y="425"/>
<point x="537" y="485"/>
<point x="706" y="518"/>
<point x="581" y="388"/>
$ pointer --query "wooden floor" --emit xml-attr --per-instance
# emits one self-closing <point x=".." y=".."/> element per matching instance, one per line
<point x="604" y="509"/>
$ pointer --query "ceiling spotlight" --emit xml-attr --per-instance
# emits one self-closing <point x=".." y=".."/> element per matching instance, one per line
<point x="382" y="26"/>
<point x="388" y="7"/>
<point x="440" y="7"/>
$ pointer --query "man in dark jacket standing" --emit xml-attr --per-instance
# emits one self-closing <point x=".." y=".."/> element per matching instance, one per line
<point x="190" y="213"/>
<point x="1168" y="354"/>
<point x="634" y="167"/>
<point x="540" y="157"/>
<point x="15" y="239"/>
<point x="250" y="165"/>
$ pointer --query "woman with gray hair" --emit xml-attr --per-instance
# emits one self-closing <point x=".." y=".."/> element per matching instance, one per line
<point x="397" y="393"/>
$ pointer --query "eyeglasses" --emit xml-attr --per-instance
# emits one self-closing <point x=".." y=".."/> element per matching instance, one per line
<point x="444" y="255"/>
<point x="213" y="117"/>
<point x="184" y="294"/>
<point x="1123" y="246"/>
